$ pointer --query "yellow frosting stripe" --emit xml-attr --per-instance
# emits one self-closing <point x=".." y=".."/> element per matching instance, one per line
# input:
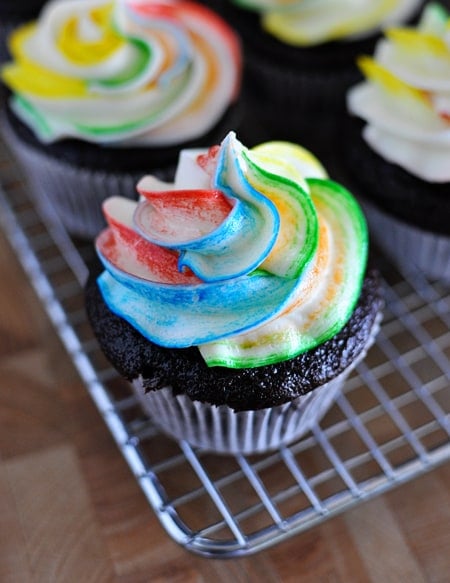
<point x="27" y="77"/>
<point x="294" y="163"/>
<point x="415" y="42"/>
<point x="33" y="80"/>
<point x="84" y="51"/>
<point x="389" y="82"/>
<point x="289" y="160"/>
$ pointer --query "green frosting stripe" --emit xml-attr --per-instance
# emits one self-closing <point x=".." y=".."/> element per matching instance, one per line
<point x="32" y="116"/>
<point x="301" y="224"/>
<point x="157" y="112"/>
<point x="143" y="55"/>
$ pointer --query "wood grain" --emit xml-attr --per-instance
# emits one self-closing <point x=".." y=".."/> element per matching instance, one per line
<point x="71" y="511"/>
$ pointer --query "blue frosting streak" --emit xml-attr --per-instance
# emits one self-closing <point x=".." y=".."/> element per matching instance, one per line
<point x="179" y="316"/>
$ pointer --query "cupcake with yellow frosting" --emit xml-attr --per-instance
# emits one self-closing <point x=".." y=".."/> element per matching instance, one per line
<point x="398" y="154"/>
<point x="102" y="91"/>
<point x="236" y="299"/>
<point x="300" y="56"/>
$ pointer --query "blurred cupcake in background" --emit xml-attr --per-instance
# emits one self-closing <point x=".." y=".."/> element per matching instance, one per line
<point x="300" y="58"/>
<point x="102" y="91"/>
<point x="399" y="155"/>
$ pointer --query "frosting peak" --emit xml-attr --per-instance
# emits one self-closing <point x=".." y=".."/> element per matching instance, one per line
<point x="246" y="259"/>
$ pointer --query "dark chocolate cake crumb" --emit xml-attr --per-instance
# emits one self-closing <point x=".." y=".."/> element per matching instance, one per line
<point x="241" y="389"/>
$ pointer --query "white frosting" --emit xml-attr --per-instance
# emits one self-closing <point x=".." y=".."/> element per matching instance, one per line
<point x="406" y="120"/>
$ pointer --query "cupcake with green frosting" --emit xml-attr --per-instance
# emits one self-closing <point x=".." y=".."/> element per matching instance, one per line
<point x="398" y="143"/>
<point x="300" y="58"/>
<point x="101" y="91"/>
<point x="236" y="299"/>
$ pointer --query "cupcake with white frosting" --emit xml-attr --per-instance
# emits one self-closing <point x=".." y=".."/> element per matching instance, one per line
<point x="236" y="299"/>
<point x="102" y="90"/>
<point x="399" y="154"/>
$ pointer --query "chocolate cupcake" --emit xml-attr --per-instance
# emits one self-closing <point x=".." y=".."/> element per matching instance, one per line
<point x="104" y="91"/>
<point x="399" y="158"/>
<point x="236" y="298"/>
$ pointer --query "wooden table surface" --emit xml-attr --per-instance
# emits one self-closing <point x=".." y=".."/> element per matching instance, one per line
<point x="70" y="509"/>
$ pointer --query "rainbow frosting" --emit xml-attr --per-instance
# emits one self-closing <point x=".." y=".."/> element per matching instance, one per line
<point x="253" y="255"/>
<point x="312" y="22"/>
<point x="123" y="72"/>
<point x="405" y="98"/>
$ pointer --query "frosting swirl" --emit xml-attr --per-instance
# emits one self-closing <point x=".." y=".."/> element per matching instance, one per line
<point x="309" y="22"/>
<point x="253" y="255"/>
<point x="405" y="99"/>
<point x="123" y="72"/>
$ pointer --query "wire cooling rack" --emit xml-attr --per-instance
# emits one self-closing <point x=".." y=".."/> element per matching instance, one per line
<point x="390" y="424"/>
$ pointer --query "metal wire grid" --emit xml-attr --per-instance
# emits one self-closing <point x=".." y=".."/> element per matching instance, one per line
<point x="390" y="425"/>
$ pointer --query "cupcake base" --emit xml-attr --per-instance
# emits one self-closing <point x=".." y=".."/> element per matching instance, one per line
<point x="409" y="247"/>
<point x="220" y="429"/>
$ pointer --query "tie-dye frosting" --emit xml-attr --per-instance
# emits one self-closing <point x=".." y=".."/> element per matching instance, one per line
<point x="254" y="256"/>
<point x="405" y="99"/>
<point x="311" y="22"/>
<point x="123" y="72"/>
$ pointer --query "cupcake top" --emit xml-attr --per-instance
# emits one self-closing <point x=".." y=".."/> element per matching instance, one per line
<point x="405" y="97"/>
<point x="310" y="22"/>
<point x="124" y="72"/>
<point x="253" y="256"/>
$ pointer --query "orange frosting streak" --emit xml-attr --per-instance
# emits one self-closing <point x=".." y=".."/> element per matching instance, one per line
<point x="198" y="12"/>
<point x="332" y="290"/>
<point x="320" y="263"/>
<point x="212" y="71"/>
<point x="169" y="53"/>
